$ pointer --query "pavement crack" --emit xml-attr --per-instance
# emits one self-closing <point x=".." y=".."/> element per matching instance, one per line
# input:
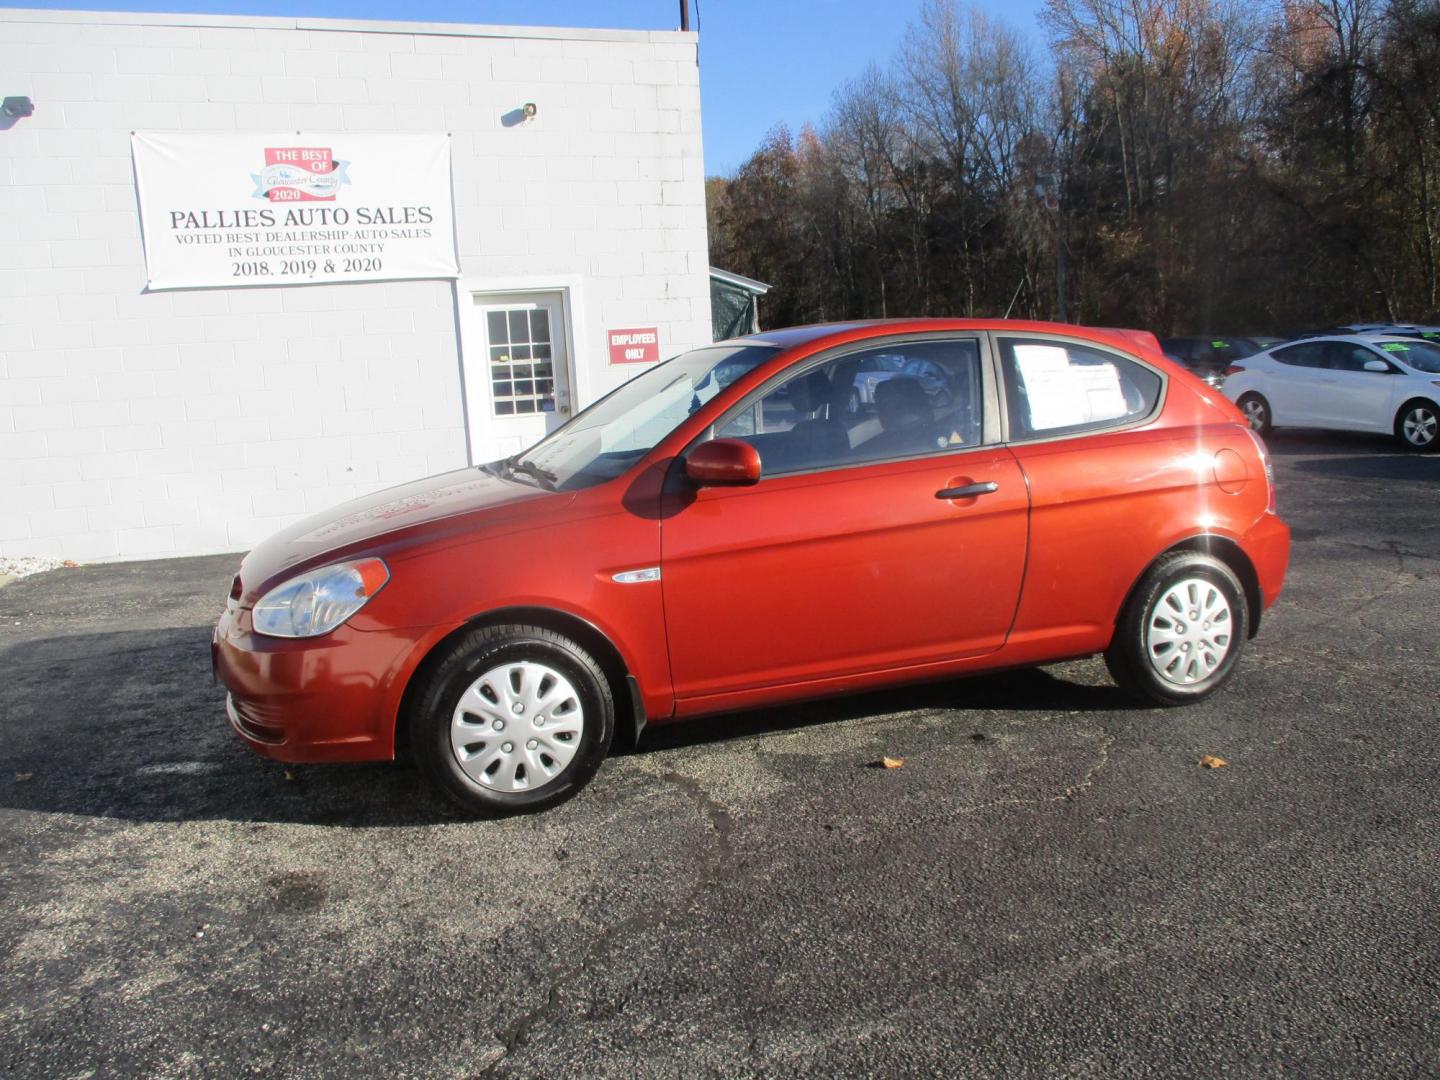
<point x="1072" y="791"/>
<point x="717" y="857"/>
<point x="721" y="823"/>
<point x="1107" y="742"/>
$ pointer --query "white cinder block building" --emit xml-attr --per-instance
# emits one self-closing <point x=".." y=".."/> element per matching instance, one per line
<point x="145" y="417"/>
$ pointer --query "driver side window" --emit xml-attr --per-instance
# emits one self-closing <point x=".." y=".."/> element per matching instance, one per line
<point x="1346" y="356"/>
<point x="895" y="401"/>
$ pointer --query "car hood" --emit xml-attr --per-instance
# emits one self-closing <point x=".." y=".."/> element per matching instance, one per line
<point x="381" y="515"/>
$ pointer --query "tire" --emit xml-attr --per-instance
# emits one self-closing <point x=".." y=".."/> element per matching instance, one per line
<point x="1163" y="656"/>
<point x="492" y="690"/>
<point x="1417" y="426"/>
<point x="1257" y="412"/>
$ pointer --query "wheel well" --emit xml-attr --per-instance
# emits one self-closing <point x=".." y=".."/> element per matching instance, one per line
<point x="1418" y="399"/>
<point x="582" y="632"/>
<point x="1233" y="556"/>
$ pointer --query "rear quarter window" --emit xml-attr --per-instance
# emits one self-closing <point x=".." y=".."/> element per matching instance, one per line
<point x="1305" y="354"/>
<point x="1055" y="388"/>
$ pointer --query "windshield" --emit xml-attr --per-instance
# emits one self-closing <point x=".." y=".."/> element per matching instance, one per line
<point x="1420" y="355"/>
<point x="618" y="430"/>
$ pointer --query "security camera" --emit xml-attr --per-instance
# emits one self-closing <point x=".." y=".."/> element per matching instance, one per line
<point x="529" y="110"/>
<point x="15" y="107"/>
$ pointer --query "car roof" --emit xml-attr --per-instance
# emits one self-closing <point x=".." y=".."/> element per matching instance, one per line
<point x="1365" y="337"/>
<point x="1210" y="337"/>
<point x="823" y="334"/>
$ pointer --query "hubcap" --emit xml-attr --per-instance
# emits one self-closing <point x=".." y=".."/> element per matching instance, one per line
<point x="536" y="707"/>
<point x="1190" y="632"/>
<point x="1419" y="426"/>
<point x="1255" y="413"/>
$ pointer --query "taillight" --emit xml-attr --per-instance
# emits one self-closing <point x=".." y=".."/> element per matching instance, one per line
<point x="1233" y="369"/>
<point x="235" y="588"/>
<point x="1269" y="468"/>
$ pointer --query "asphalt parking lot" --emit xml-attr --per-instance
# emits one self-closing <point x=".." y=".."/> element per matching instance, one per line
<point x="1051" y="884"/>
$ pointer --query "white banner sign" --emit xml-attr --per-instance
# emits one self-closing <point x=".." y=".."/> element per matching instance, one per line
<point x="244" y="209"/>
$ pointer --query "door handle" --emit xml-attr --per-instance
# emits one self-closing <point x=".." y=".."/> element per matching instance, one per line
<point x="969" y="491"/>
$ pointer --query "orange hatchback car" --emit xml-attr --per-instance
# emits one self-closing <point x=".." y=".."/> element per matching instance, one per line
<point x="803" y="512"/>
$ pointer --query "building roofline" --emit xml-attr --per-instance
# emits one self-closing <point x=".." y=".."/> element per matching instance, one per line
<point x="759" y="288"/>
<point x="363" y="26"/>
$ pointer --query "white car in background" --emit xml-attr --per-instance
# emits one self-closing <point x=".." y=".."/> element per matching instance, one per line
<point x="1382" y="383"/>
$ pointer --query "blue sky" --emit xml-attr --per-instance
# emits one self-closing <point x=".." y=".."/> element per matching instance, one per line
<point x="761" y="61"/>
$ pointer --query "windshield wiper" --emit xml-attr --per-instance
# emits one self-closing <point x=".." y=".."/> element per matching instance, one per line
<point x="544" y="477"/>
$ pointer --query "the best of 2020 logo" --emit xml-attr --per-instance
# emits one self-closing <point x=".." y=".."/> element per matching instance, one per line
<point x="300" y="174"/>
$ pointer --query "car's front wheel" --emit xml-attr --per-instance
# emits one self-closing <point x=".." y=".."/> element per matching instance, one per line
<point x="1257" y="412"/>
<point x="512" y="719"/>
<point x="1181" y="632"/>
<point x="1417" y="425"/>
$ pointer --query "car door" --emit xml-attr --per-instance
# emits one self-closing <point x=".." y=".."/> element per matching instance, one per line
<point x="1296" y="388"/>
<point x="872" y="541"/>
<point x="1105" y="483"/>
<point x="1351" y="398"/>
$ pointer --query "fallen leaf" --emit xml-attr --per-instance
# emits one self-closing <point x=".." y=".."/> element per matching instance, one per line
<point x="1210" y="761"/>
<point x="21" y="777"/>
<point x="892" y="762"/>
<point x="289" y="775"/>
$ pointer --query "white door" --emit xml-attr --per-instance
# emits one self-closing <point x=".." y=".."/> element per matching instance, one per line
<point x="1295" y="391"/>
<point x="1353" y="398"/>
<point x="522" y="388"/>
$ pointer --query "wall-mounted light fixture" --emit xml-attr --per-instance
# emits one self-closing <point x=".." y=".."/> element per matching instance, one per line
<point x="17" y="107"/>
<point x="521" y="114"/>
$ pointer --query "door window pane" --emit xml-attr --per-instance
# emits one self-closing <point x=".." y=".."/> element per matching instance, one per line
<point x="1060" y="388"/>
<point x="896" y="401"/>
<point x="516" y="337"/>
<point x="1347" y="356"/>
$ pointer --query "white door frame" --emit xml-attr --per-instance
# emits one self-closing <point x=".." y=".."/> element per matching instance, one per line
<point x="472" y="340"/>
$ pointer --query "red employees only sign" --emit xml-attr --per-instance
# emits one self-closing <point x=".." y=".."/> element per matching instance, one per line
<point x="639" y="346"/>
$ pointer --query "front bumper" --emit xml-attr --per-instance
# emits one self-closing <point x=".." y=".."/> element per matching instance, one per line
<point x="324" y="699"/>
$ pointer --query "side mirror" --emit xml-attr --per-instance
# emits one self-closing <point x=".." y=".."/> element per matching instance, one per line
<point x="723" y="463"/>
<point x="1378" y="365"/>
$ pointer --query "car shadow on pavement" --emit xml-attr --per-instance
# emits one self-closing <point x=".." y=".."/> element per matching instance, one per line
<point x="129" y="725"/>
<point x="1412" y="467"/>
<point x="1022" y="690"/>
<point x="1311" y="442"/>
<point x="1351" y="455"/>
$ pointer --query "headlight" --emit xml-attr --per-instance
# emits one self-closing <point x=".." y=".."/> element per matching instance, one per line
<point x="316" y="603"/>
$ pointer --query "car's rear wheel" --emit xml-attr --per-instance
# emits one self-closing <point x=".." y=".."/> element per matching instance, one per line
<point x="1181" y="632"/>
<point x="1417" y="425"/>
<point x="1257" y="412"/>
<point x="512" y="719"/>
